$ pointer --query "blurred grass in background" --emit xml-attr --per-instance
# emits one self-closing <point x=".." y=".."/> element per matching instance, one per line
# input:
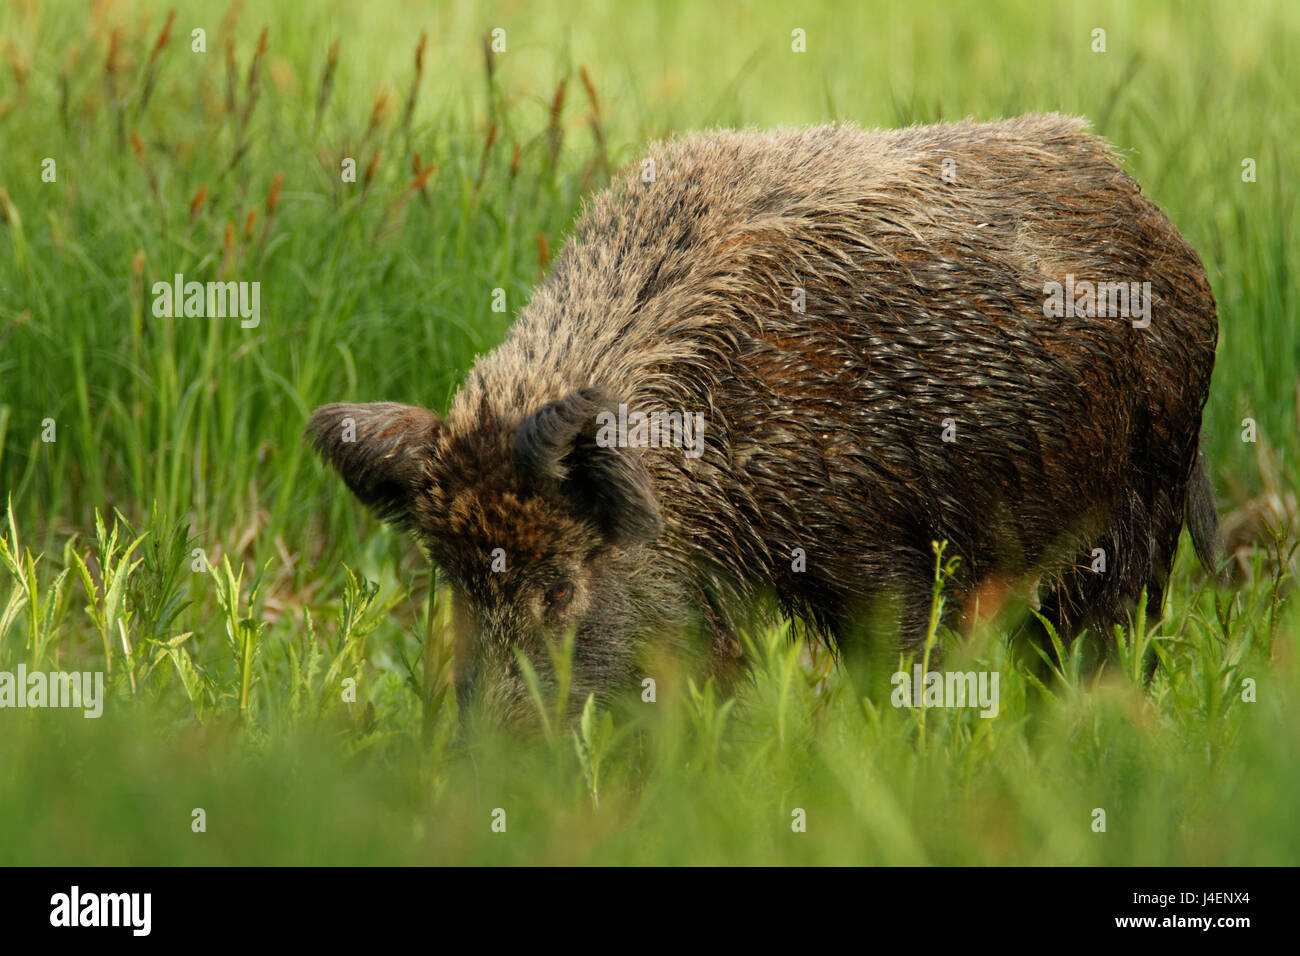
<point x="470" y="170"/>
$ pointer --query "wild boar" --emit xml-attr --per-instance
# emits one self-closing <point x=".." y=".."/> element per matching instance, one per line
<point x="787" y="363"/>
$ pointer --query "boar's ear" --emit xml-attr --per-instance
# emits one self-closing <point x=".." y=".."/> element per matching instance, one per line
<point x="556" y="449"/>
<point x="379" y="449"/>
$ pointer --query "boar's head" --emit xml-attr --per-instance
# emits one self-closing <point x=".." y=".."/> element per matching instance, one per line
<point x="540" y="531"/>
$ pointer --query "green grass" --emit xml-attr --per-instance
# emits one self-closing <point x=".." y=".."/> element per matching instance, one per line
<point x="226" y="686"/>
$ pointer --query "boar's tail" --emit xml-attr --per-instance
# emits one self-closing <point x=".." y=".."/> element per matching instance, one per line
<point x="1202" y="521"/>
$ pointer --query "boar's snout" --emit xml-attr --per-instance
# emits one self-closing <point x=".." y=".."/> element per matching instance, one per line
<point x="491" y="691"/>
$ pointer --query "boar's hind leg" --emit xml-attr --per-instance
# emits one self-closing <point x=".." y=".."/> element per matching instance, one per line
<point x="1104" y="583"/>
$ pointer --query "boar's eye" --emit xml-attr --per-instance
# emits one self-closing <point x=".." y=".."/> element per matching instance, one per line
<point x="559" y="595"/>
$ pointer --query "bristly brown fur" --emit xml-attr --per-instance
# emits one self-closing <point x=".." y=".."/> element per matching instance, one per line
<point x="924" y="303"/>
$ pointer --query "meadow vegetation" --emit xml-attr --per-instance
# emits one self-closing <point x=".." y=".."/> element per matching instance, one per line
<point x="164" y="522"/>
